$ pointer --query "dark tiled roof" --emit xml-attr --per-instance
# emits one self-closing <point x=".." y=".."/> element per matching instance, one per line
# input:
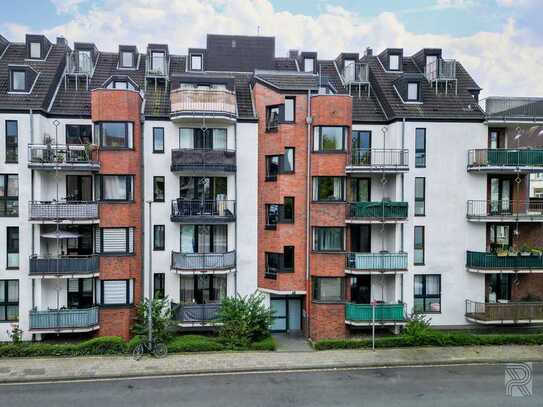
<point x="285" y="64"/>
<point x="288" y="80"/>
<point x="239" y="53"/>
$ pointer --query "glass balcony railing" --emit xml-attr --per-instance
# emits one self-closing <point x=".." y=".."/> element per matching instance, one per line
<point x="514" y="108"/>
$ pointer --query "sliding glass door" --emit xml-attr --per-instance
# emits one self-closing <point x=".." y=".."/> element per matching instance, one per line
<point x="204" y="239"/>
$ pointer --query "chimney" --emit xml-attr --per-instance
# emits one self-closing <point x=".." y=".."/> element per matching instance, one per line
<point x="369" y="52"/>
<point x="293" y="53"/>
<point x="61" y="41"/>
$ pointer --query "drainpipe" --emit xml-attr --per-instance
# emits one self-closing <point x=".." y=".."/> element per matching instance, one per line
<point x="308" y="120"/>
<point x="235" y="207"/>
<point x="402" y="178"/>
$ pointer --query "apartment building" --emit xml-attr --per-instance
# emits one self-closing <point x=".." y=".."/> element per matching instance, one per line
<point x="327" y="185"/>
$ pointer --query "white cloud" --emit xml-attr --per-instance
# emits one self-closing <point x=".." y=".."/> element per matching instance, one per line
<point x="454" y="3"/>
<point x="67" y="6"/>
<point x="517" y="3"/>
<point x="499" y="61"/>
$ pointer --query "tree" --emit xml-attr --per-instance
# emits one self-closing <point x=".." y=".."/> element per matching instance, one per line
<point x="162" y="316"/>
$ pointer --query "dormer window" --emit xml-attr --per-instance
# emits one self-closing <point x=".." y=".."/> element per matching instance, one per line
<point x="127" y="59"/>
<point x="158" y="65"/>
<point x="349" y="70"/>
<point x="18" y="80"/>
<point x="394" y="62"/>
<point x="84" y="61"/>
<point x="35" y="50"/>
<point x="196" y="62"/>
<point x="309" y="65"/>
<point x="413" y="91"/>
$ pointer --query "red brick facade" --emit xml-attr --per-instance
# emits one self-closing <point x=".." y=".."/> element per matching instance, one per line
<point x="119" y="105"/>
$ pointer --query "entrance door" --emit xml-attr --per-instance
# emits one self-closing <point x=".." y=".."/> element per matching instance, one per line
<point x="287" y="314"/>
<point x="361" y="289"/>
<point x="79" y="188"/>
<point x="279" y="308"/>
<point x="500" y="195"/>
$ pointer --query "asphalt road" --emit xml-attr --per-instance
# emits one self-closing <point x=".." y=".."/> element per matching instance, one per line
<point x="480" y="386"/>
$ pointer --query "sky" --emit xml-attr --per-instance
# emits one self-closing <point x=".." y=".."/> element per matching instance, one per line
<point x="500" y="42"/>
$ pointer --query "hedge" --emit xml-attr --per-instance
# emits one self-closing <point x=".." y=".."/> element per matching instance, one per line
<point x="432" y="338"/>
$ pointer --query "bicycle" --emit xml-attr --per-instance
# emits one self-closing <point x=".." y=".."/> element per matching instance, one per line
<point x="158" y="349"/>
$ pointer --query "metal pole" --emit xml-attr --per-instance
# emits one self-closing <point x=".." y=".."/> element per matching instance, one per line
<point x="373" y="325"/>
<point x="149" y="304"/>
<point x="56" y="123"/>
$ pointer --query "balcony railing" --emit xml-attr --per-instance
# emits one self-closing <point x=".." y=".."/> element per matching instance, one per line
<point x="64" y="319"/>
<point x="507" y="209"/>
<point x="67" y="265"/>
<point x="186" y="159"/>
<point x="503" y="157"/>
<point x="385" y="210"/>
<point x="208" y="210"/>
<point x="384" y="313"/>
<point x="190" y="102"/>
<point x="506" y="313"/>
<point x="63" y="210"/>
<point x="59" y="156"/>
<point x="380" y="262"/>
<point x="514" y="108"/>
<point x="203" y="261"/>
<point x="490" y="261"/>
<point x="441" y="69"/>
<point x="156" y="67"/>
<point x="378" y="159"/>
<point x="79" y="63"/>
<point x="196" y="313"/>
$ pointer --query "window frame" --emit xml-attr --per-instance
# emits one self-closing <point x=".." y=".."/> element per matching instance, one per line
<point x="293" y="99"/>
<point x="6" y="303"/>
<point x="420" y="131"/>
<point x="12" y="80"/>
<point x="312" y="70"/>
<point x="159" y="279"/>
<point x="267" y="161"/>
<point x="6" y="198"/>
<point x="284" y="219"/>
<point x="157" y="230"/>
<point x="132" y="55"/>
<point x="390" y="58"/>
<point x="129" y="181"/>
<point x="39" y="44"/>
<point x="424" y="296"/>
<point x="12" y="145"/>
<point x="316" y="247"/>
<point x="318" y="148"/>
<point x="420" y="199"/>
<point x="201" y="58"/>
<point x="316" y="189"/>
<point x="10" y="247"/>
<point x="315" y="296"/>
<point x="79" y="127"/>
<point x="155" y="194"/>
<point x="127" y="251"/>
<point x="283" y="169"/>
<point x="127" y="294"/>
<point x="128" y="137"/>
<point x="156" y="133"/>
<point x="419" y="246"/>
<point x="417" y="98"/>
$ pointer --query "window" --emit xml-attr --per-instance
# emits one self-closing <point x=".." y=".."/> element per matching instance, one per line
<point x="80" y="293"/>
<point x="328" y="289"/>
<point x="420" y="192"/>
<point x="117" y="292"/>
<point x="196" y="62"/>
<point x="204" y="238"/>
<point x="18" y="81"/>
<point x="159" y="286"/>
<point x="206" y="188"/>
<point x="420" y="148"/>
<point x="288" y="259"/>
<point x="328" y="189"/>
<point x="329" y="138"/>
<point x="272" y="215"/>
<point x="158" y="140"/>
<point x="35" y="50"/>
<point x="290" y="106"/>
<point x="12" y="141"/>
<point x="202" y="289"/>
<point x="78" y="134"/>
<point x="328" y="239"/>
<point x="84" y="60"/>
<point x="9" y="195"/>
<point x="158" y="237"/>
<point x="158" y="63"/>
<point x="123" y="85"/>
<point x="115" y="134"/>
<point x="116" y="188"/>
<point x="279" y="262"/>
<point x="9" y="300"/>
<point x="288" y="209"/>
<point x="393" y="62"/>
<point x="158" y="189"/>
<point x="419" y="246"/>
<point x="127" y="59"/>
<point x="309" y="65"/>
<point x="427" y="293"/>
<point x="273" y="114"/>
<point x="115" y="241"/>
<point x="273" y="164"/>
<point x="349" y="68"/>
<point x="210" y="139"/>
<point x="288" y="160"/>
<point x="412" y="91"/>
<point x="12" y="233"/>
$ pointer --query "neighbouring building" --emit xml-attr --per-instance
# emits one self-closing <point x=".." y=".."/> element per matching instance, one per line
<point x="326" y="185"/>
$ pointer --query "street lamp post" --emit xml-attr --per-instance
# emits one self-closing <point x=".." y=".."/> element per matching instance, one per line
<point x="149" y="300"/>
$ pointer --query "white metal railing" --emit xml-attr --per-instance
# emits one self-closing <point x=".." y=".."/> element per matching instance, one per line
<point x="47" y="155"/>
<point x="203" y="261"/>
<point x="58" y="210"/>
<point x="440" y="69"/>
<point x="216" y="101"/>
<point x="79" y="63"/>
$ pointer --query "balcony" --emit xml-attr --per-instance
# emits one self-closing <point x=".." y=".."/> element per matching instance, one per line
<point x="194" y="160"/>
<point x="504" y="313"/>
<point x="196" y="314"/>
<point x="385" y="314"/>
<point x="514" y="109"/>
<point x="365" y="160"/>
<point x="64" y="266"/>
<point x="71" y="157"/>
<point x="211" y="103"/>
<point x="63" y="211"/>
<point x="203" y="212"/>
<point x="504" y="211"/>
<point x="375" y="263"/>
<point x="64" y="320"/>
<point x="376" y="212"/>
<point x="505" y="160"/>
<point x="209" y="263"/>
<point x="484" y="262"/>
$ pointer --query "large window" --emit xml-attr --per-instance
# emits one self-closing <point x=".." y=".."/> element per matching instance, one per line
<point x="116" y="188"/>
<point x="420" y="148"/>
<point x="80" y="293"/>
<point x="12" y="235"/>
<point x="329" y="139"/>
<point x="12" y="141"/>
<point x="158" y="189"/>
<point x="158" y="140"/>
<point x="199" y="139"/>
<point x="117" y="292"/>
<point x="115" y="134"/>
<point x="202" y="289"/>
<point x="328" y="189"/>
<point x="9" y="195"/>
<point x="115" y="241"/>
<point x="420" y="196"/>
<point x="158" y="237"/>
<point x="419" y="245"/>
<point x="328" y="239"/>
<point x="427" y="293"/>
<point x="78" y="134"/>
<point x="9" y="300"/>
<point x="204" y="238"/>
<point x="206" y="188"/>
<point x="279" y="262"/>
<point x="328" y="289"/>
<point x="290" y="109"/>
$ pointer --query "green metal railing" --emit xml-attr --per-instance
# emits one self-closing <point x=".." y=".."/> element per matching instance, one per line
<point x="484" y="260"/>
<point x="376" y="261"/>
<point x="380" y="209"/>
<point x="383" y="312"/>
<point x="504" y="157"/>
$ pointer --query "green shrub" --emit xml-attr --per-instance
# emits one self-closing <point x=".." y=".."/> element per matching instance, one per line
<point x="162" y="316"/>
<point x="194" y="343"/>
<point x="135" y="341"/>
<point x="264" y="344"/>
<point x="105" y="345"/>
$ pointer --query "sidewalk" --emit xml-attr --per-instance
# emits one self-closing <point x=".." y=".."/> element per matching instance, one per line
<point x="44" y="369"/>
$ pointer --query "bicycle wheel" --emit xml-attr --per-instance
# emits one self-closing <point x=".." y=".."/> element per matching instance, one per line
<point x="139" y="351"/>
<point x="160" y="350"/>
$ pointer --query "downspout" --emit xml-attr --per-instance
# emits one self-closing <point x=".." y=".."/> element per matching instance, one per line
<point x="402" y="199"/>
<point x="32" y="234"/>
<point x="236" y="209"/>
<point x="308" y="121"/>
<point x="142" y="202"/>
